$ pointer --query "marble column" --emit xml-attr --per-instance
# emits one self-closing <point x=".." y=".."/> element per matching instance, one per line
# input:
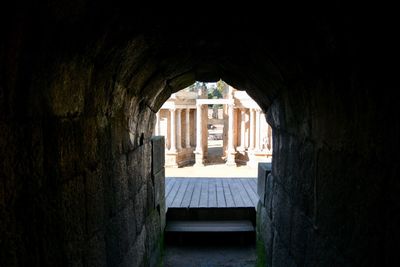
<point x="230" y="161"/>
<point x="172" y="149"/>
<point x="258" y="136"/>
<point x="199" y="140"/>
<point x="242" y="128"/>
<point x="252" y="127"/>
<point x="178" y="129"/>
<point x="187" y="128"/>
<point x="263" y="132"/>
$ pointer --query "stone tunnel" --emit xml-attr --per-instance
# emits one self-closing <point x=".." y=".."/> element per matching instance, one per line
<point x="81" y="81"/>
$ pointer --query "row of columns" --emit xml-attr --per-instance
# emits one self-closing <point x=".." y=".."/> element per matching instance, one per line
<point x="254" y="140"/>
<point x="176" y="133"/>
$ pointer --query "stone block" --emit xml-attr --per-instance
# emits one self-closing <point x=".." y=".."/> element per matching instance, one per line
<point x="131" y="220"/>
<point x="94" y="201"/>
<point x="150" y="196"/>
<point x="269" y="191"/>
<point x="139" y="167"/>
<point x="137" y="252"/>
<point x="159" y="186"/>
<point x="321" y="252"/>
<point x="301" y="228"/>
<point x="67" y="147"/>
<point x="153" y="230"/>
<point x="158" y="154"/>
<point x="72" y="212"/>
<point x="162" y="212"/>
<point x="95" y="251"/>
<point x="140" y="207"/>
<point x="117" y="239"/>
<point x="265" y="232"/>
<point x="281" y="213"/>
<point x="280" y="254"/>
<point x="264" y="168"/>
<point x="120" y="182"/>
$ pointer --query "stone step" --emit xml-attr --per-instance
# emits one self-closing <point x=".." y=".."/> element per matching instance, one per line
<point x="210" y="226"/>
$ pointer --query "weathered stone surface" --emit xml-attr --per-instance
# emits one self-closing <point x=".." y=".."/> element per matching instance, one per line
<point x="95" y="209"/>
<point x="263" y="170"/>
<point x="139" y="167"/>
<point x="73" y="213"/>
<point x="117" y="239"/>
<point x="137" y="252"/>
<point x="158" y="158"/>
<point x="265" y="232"/>
<point x="153" y="238"/>
<point x="120" y="183"/>
<point x="282" y="213"/>
<point x="299" y="236"/>
<point x="79" y="87"/>
<point x="159" y="187"/>
<point x="140" y="208"/>
<point x="94" y="251"/>
<point x="281" y="256"/>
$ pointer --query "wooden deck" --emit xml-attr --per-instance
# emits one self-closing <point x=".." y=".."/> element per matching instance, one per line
<point x="211" y="192"/>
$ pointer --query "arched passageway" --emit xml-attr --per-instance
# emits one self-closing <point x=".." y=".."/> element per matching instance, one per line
<point x="79" y="87"/>
<point x="200" y="130"/>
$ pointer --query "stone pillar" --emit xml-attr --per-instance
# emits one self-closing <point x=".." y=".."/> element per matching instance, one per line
<point x="157" y="126"/>
<point x="172" y="149"/>
<point x="230" y="161"/>
<point x="178" y="130"/>
<point x="258" y="136"/>
<point x="252" y="127"/>
<point x="187" y="128"/>
<point x="242" y="128"/>
<point x="263" y="133"/>
<point x="247" y="129"/>
<point x="199" y="140"/>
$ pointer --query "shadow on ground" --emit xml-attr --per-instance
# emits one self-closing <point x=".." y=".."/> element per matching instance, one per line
<point x="210" y="256"/>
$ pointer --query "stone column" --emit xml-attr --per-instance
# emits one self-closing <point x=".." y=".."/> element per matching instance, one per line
<point x="242" y="128"/>
<point x="258" y="136"/>
<point x="199" y="140"/>
<point x="263" y="132"/>
<point x="230" y="161"/>
<point x="252" y="127"/>
<point x="172" y="149"/>
<point x="157" y="127"/>
<point x="187" y="128"/>
<point x="178" y="130"/>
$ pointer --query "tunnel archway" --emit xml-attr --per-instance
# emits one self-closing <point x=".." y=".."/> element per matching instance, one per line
<point x="80" y="85"/>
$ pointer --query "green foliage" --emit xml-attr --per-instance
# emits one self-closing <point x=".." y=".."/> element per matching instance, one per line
<point x="221" y="86"/>
<point x="261" y="257"/>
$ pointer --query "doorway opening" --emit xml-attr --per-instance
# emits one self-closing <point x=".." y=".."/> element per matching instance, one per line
<point x="215" y="137"/>
<point x="213" y="124"/>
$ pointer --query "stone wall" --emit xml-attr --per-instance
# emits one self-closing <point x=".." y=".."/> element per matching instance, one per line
<point x="80" y="185"/>
<point x="79" y="85"/>
<point x="322" y="204"/>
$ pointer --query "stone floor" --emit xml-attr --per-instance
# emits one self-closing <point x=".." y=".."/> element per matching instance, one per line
<point x="210" y="256"/>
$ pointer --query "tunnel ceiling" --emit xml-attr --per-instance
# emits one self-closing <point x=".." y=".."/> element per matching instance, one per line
<point x="158" y="49"/>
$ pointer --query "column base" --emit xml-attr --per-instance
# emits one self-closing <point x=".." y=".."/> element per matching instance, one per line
<point x="230" y="159"/>
<point x="199" y="159"/>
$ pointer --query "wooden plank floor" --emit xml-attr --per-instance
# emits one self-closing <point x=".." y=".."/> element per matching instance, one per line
<point x="211" y="192"/>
